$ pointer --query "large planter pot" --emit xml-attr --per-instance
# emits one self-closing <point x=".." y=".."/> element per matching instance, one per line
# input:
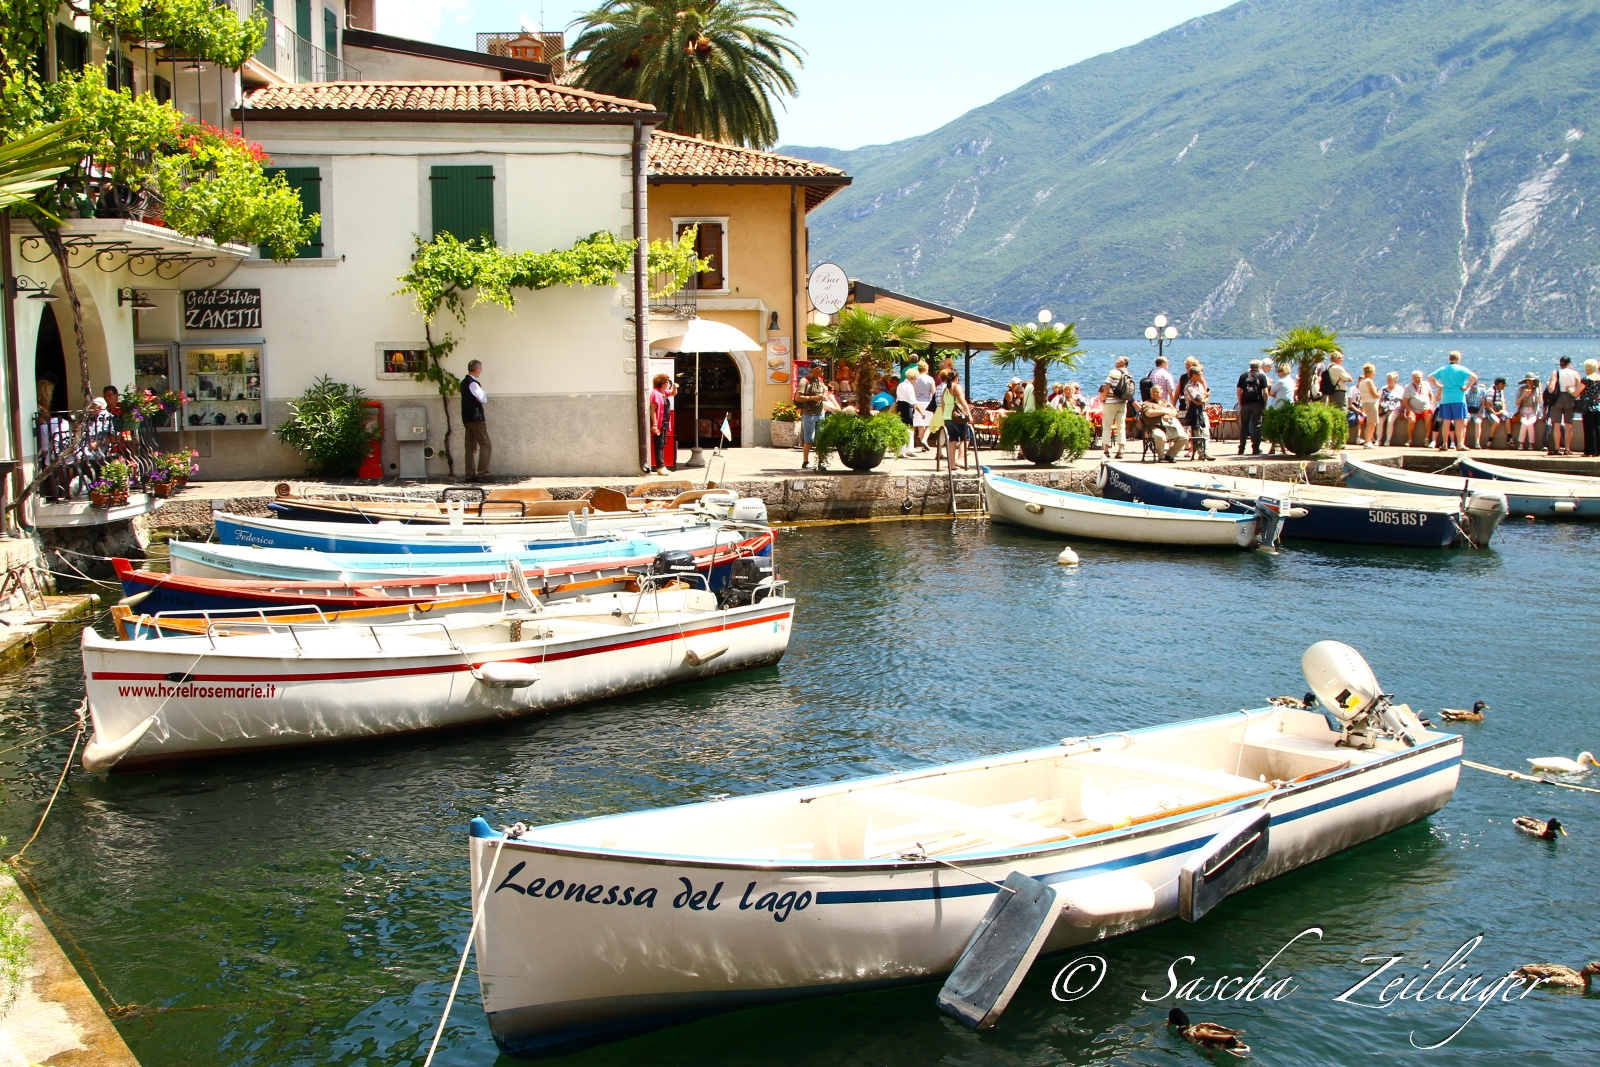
<point x="860" y="458"/>
<point x="161" y="488"/>
<point x="785" y="434"/>
<point x="1043" y="453"/>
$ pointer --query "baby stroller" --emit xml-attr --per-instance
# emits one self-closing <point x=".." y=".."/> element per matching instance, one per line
<point x="1160" y="432"/>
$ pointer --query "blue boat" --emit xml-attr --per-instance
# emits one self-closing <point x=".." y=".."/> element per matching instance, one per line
<point x="1317" y="512"/>
<point x="249" y="531"/>
<point x="1544" y="500"/>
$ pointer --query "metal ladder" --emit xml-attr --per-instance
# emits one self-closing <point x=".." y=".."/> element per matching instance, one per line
<point x="966" y="488"/>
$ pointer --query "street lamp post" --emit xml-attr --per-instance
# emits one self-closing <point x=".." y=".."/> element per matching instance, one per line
<point x="1160" y="334"/>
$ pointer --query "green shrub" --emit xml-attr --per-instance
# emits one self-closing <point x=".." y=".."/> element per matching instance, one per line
<point x="852" y="434"/>
<point x="13" y="946"/>
<point x="1305" y="429"/>
<point x="329" y="428"/>
<point x="1048" y="429"/>
<point x="785" y="413"/>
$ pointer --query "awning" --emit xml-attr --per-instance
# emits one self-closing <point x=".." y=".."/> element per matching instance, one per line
<point x="153" y="256"/>
<point x="947" y="327"/>
<point x="707" y="335"/>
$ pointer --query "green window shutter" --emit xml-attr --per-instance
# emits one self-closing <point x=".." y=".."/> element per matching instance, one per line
<point x="330" y="33"/>
<point x="307" y="181"/>
<point x="463" y="202"/>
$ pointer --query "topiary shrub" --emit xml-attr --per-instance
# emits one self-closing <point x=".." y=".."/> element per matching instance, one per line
<point x="1305" y="429"/>
<point x="1046" y="434"/>
<point x="861" y="443"/>
<point x="329" y="428"/>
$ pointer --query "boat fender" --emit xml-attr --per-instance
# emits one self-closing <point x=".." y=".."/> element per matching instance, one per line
<point x="1564" y="507"/>
<point x="1106" y="900"/>
<point x="1295" y="513"/>
<point x="1102" y="476"/>
<point x="506" y="674"/>
<point x="98" y="757"/>
<point x="1033" y="509"/>
<point x="1213" y="505"/>
<point x="1067" y="558"/>
<point x="699" y="653"/>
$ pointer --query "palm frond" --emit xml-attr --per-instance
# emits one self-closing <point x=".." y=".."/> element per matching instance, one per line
<point x="32" y="162"/>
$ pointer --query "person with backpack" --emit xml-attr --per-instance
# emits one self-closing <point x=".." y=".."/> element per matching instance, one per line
<point x="1336" y="382"/>
<point x="1252" y="393"/>
<point x="1115" y="394"/>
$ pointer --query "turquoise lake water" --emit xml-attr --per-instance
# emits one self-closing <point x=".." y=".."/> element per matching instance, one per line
<point x="308" y="908"/>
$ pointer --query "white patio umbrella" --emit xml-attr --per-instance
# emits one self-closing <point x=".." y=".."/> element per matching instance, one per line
<point x="704" y="335"/>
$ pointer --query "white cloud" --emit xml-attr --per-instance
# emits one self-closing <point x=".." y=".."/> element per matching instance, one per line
<point x="423" y="20"/>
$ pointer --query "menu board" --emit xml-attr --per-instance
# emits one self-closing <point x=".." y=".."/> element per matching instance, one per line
<point x="223" y="384"/>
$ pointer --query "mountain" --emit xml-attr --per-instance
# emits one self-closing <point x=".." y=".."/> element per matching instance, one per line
<point x="1372" y="165"/>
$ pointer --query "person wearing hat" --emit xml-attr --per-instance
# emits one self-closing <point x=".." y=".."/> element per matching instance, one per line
<point x="1252" y="391"/>
<point x="1452" y="382"/>
<point x="1527" y="411"/>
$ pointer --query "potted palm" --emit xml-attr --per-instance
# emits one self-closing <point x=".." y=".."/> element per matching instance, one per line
<point x="785" y="423"/>
<point x="865" y="341"/>
<point x="1042" y="433"/>
<point x="1304" y="427"/>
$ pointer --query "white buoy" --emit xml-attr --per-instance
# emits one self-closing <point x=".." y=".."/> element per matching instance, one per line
<point x="1068" y="558"/>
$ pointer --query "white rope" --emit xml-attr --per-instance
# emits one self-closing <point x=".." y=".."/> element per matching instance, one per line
<point x="483" y="902"/>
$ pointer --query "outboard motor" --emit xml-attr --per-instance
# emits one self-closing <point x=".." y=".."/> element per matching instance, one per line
<point x="1357" y="706"/>
<point x="1481" y="515"/>
<point x="676" y="562"/>
<point x="750" y="581"/>
<point x="1271" y="514"/>
<point x="750" y="509"/>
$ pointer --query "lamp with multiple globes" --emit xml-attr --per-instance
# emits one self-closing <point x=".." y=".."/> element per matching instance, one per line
<point x="1160" y="333"/>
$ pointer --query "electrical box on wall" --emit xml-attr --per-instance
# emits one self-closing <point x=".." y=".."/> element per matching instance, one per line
<point x="411" y="434"/>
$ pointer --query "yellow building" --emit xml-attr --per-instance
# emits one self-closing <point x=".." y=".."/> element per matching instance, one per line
<point x="750" y="208"/>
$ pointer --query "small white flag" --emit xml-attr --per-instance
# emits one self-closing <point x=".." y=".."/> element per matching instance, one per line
<point x="727" y="430"/>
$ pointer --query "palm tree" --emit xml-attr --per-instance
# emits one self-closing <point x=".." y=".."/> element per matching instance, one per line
<point x="1044" y="345"/>
<point x="1304" y="345"/>
<point x="864" y="341"/>
<point x="712" y="67"/>
<point x="31" y="162"/>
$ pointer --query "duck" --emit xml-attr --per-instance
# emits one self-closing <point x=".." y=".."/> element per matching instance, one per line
<point x="1216" y="1036"/>
<point x="1463" y="715"/>
<point x="1559" y="976"/>
<point x="1562" y="765"/>
<point x="1544" y="829"/>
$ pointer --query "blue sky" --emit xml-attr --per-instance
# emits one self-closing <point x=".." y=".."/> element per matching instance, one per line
<point x="875" y="70"/>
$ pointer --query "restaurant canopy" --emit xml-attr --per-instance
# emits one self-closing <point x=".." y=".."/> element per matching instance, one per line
<point x="947" y="327"/>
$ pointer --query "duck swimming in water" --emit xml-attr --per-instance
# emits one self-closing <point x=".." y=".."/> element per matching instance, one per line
<point x="1544" y="829"/>
<point x="1562" y="765"/>
<point x="1559" y="976"/>
<point x="1215" y="1036"/>
<point x="1463" y="715"/>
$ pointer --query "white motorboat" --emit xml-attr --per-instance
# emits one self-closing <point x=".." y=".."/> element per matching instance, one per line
<point x="1076" y="515"/>
<point x="171" y="698"/>
<point x="602" y="927"/>
<point x="1473" y="467"/>
<point x="1541" y="499"/>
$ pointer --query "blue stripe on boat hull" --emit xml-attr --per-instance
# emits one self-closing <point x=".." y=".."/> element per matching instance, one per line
<point x="343" y="537"/>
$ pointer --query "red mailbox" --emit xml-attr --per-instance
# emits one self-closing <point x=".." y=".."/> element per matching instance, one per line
<point x="372" y="466"/>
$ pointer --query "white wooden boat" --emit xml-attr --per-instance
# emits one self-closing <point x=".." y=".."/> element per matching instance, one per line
<point x="1075" y="515"/>
<point x="167" y="699"/>
<point x="1540" y="499"/>
<point x="602" y="927"/>
<point x="1473" y="467"/>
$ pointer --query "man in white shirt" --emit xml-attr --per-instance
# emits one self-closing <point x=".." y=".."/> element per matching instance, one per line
<point x="905" y="402"/>
<point x="475" y="423"/>
<point x="1340" y="379"/>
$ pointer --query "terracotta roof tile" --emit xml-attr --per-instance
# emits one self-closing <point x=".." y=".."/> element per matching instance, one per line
<point x="509" y="97"/>
<point x="674" y="155"/>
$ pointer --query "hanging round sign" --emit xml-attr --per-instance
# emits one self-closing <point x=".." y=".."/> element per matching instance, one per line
<point x="828" y="287"/>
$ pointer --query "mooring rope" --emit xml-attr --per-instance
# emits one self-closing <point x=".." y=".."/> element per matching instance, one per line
<point x="472" y="933"/>
<point x="41" y="737"/>
<point x="1518" y="776"/>
<point x="83" y="722"/>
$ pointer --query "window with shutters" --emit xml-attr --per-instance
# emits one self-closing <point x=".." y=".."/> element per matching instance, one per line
<point x="711" y="243"/>
<point x="307" y="181"/>
<point x="330" y="33"/>
<point x="72" y="49"/>
<point x="463" y="201"/>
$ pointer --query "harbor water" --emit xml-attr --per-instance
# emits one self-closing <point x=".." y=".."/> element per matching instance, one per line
<point x="309" y="907"/>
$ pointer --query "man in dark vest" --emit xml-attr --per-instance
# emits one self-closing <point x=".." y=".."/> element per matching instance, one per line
<point x="473" y="399"/>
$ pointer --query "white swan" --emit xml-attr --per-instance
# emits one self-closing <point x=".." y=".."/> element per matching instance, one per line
<point x="1562" y="765"/>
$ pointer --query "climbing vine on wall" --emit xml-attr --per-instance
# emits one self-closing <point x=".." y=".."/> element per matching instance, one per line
<point x="447" y="273"/>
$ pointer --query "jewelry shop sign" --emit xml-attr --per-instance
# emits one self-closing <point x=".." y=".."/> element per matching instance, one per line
<point x="222" y="309"/>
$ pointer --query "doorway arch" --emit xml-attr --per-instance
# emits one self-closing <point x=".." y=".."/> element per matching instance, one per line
<point x="50" y="360"/>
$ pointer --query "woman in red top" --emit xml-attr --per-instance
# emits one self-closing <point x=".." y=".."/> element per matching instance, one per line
<point x="661" y="390"/>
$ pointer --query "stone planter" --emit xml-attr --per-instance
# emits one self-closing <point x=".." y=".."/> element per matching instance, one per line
<point x="785" y="434"/>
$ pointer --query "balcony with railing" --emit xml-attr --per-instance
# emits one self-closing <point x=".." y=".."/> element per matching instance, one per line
<point x="294" y="58"/>
<point x="67" y="497"/>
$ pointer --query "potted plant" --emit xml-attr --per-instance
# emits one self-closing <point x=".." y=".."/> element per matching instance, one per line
<point x="1305" y="426"/>
<point x="1042" y="433"/>
<point x="785" y="422"/>
<point x="100" y="493"/>
<point x="178" y="465"/>
<point x="864" y="341"/>
<point x="119" y="473"/>
<point x="160" y="482"/>
<point x="330" y="429"/>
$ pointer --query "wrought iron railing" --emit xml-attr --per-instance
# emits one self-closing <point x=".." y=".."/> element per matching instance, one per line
<point x="683" y="303"/>
<point x="105" y="437"/>
<point x="291" y="56"/>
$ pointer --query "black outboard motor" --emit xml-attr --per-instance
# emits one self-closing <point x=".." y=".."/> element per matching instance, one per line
<point x="677" y="562"/>
<point x="749" y="581"/>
